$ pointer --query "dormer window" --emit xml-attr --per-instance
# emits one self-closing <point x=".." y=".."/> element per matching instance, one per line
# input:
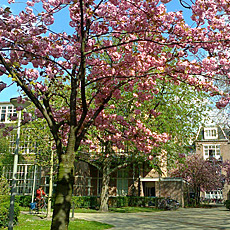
<point x="210" y="133"/>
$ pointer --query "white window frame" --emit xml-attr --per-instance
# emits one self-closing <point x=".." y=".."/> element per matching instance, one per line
<point x="210" y="133"/>
<point x="26" y="145"/>
<point x="215" y="194"/>
<point x="8" y="110"/>
<point x="211" y="147"/>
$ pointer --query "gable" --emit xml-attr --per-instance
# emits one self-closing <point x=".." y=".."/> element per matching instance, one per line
<point x="212" y="133"/>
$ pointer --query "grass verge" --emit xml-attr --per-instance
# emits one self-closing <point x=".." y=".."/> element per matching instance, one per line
<point x="35" y="222"/>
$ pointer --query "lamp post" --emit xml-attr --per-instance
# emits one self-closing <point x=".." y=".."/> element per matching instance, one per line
<point x="16" y="104"/>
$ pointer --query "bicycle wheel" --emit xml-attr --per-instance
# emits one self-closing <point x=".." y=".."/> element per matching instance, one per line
<point x="44" y="209"/>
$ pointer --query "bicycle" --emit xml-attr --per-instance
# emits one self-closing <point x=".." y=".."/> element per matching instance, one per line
<point x="42" y="206"/>
<point x="168" y="204"/>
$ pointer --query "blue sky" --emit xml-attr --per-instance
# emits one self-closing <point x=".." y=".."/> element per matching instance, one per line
<point x="60" y="25"/>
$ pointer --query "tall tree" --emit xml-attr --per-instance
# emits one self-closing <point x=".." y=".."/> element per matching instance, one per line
<point x="133" y="34"/>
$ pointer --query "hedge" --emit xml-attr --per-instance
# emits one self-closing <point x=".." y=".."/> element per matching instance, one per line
<point x="94" y="201"/>
<point x="116" y="201"/>
<point x="4" y="211"/>
<point x="23" y="200"/>
<point x="85" y="201"/>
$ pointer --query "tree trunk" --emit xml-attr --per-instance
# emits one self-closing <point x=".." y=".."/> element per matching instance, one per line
<point x="50" y="184"/>
<point x="197" y="195"/>
<point x="63" y="196"/>
<point x="105" y="187"/>
<point x="64" y="189"/>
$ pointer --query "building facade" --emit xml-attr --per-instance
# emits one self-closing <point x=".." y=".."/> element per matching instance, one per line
<point x="213" y="142"/>
<point x="134" y="180"/>
<point x="29" y="175"/>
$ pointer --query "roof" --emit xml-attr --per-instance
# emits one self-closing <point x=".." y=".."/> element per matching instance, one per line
<point x="223" y="134"/>
<point x="5" y="102"/>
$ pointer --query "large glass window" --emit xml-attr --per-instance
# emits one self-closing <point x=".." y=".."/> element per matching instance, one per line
<point x="27" y="144"/>
<point x="211" y="151"/>
<point x="122" y="182"/>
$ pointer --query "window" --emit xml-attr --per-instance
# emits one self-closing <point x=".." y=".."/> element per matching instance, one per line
<point x="210" y="133"/>
<point x="25" y="177"/>
<point x="214" y="194"/>
<point x="26" y="145"/>
<point x="211" y="151"/>
<point x="122" y="182"/>
<point x="6" y="111"/>
<point x="99" y="183"/>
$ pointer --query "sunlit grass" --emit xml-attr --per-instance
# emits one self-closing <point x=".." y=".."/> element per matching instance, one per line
<point x="37" y="222"/>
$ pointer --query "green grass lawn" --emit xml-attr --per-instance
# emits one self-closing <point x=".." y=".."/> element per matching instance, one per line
<point x="35" y="222"/>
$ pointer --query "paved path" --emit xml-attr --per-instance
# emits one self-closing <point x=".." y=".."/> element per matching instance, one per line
<point x="187" y="219"/>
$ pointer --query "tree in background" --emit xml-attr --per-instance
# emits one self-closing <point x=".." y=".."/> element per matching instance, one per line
<point x="176" y="109"/>
<point x="202" y="175"/>
<point x="6" y="157"/>
<point x="181" y="111"/>
<point x="133" y="35"/>
<point x="4" y="186"/>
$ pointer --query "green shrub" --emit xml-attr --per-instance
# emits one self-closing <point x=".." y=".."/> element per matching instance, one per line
<point x="4" y="213"/>
<point x="4" y="198"/>
<point x="227" y="204"/>
<point x="23" y="200"/>
<point x="85" y="201"/>
<point x="4" y="186"/>
<point x="114" y="202"/>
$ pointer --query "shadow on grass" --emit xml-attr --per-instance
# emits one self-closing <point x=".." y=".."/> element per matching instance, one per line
<point x="133" y="209"/>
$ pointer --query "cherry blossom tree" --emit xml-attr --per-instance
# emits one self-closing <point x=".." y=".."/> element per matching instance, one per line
<point x="226" y="170"/>
<point x="202" y="175"/>
<point x="131" y="36"/>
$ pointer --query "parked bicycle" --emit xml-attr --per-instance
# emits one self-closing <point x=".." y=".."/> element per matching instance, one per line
<point x="168" y="204"/>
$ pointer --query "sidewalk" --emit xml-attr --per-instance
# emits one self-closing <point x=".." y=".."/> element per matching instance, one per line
<point x="187" y="219"/>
